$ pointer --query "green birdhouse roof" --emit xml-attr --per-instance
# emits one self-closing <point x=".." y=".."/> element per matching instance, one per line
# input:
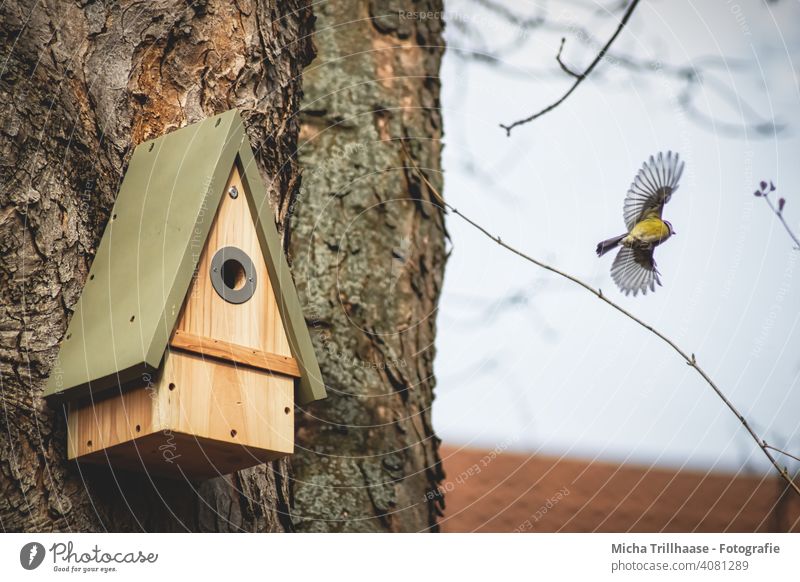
<point x="148" y="255"/>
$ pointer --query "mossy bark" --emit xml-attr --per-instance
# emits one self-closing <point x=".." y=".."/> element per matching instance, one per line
<point x="368" y="252"/>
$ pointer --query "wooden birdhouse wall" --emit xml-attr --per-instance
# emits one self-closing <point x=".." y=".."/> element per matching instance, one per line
<point x="256" y="323"/>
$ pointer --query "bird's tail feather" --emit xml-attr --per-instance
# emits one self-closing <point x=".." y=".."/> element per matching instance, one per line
<point x="607" y="245"/>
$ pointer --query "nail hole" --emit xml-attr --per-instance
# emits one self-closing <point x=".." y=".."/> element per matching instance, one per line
<point x="151" y="147"/>
<point x="88" y="443"/>
<point x="172" y="385"/>
<point x="217" y="123"/>
<point x="132" y="318"/>
<point x="233" y="432"/>
<point x="91" y="277"/>
<point x="287" y="410"/>
<point x="69" y="335"/>
<point x="138" y="428"/>
<point x="114" y="217"/>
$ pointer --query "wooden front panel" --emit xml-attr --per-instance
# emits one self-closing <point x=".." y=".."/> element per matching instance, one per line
<point x="257" y="322"/>
<point x="228" y="403"/>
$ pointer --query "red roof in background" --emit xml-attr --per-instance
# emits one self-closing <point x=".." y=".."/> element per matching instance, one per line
<point x="507" y="491"/>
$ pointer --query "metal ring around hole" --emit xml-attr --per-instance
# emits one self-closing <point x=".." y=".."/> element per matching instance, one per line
<point x="246" y="291"/>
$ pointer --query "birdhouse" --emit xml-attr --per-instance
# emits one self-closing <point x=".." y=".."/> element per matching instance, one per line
<point x="188" y="348"/>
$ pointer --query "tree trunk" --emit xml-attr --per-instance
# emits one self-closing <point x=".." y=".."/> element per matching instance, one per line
<point x="85" y="82"/>
<point x="368" y="245"/>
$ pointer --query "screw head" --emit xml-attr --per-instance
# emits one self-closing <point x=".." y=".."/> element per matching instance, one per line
<point x="233" y="192"/>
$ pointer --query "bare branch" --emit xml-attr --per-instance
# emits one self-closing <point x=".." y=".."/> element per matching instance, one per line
<point x="580" y="79"/>
<point x="690" y="359"/>
<point x="693" y="73"/>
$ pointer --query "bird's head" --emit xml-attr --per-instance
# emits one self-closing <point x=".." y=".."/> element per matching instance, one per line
<point x="669" y="226"/>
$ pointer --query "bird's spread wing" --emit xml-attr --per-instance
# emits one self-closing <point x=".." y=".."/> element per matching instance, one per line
<point x="635" y="270"/>
<point x="652" y="188"/>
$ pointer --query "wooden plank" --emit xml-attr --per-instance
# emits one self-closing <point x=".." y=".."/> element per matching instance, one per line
<point x="235" y="353"/>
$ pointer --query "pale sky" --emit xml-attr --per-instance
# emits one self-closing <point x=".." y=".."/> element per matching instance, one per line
<point x="530" y="361"/>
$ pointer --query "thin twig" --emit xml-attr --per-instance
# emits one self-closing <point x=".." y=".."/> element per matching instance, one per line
<point x="781" y="451"/>
<point x="779" y="214"/>
<point x="691" y="360"/>
<point x="578" y="78"/>
<point x="563" y="66"/>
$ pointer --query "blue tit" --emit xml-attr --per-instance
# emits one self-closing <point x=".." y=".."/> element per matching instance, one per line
<point x="634" y="268"/>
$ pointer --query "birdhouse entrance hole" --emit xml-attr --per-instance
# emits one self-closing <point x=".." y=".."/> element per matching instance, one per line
<point x="233" y="274"/>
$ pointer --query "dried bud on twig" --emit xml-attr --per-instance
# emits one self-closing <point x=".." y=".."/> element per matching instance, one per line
<point x="763" y="192"/>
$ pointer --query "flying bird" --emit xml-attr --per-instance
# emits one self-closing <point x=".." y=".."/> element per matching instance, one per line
<point x="634" y="268"/>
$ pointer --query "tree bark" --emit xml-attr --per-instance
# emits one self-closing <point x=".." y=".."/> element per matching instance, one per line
<point x="86" y="81"/>
<point x="368" y="251"/>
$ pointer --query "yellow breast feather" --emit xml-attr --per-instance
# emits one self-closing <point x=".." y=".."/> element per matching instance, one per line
<point x="648" y="231"/>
